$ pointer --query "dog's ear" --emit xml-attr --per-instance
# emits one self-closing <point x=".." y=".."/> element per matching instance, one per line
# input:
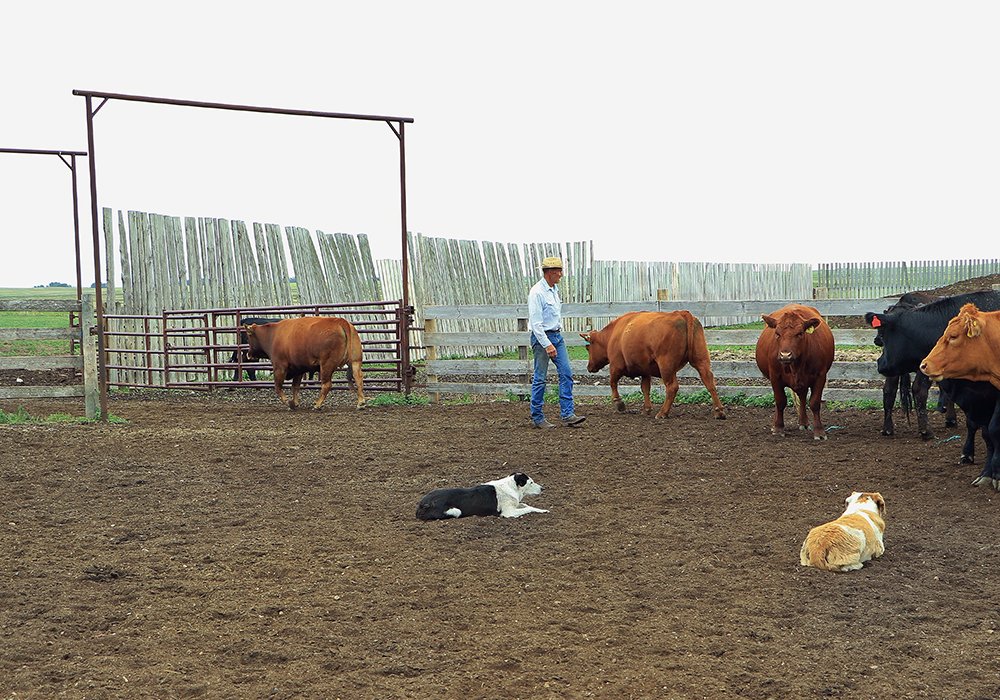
<point x="880" y="502"/>
<point x="520" y="479"/>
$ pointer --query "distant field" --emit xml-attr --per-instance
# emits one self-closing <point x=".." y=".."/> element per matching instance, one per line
<point x="35" y="319"/>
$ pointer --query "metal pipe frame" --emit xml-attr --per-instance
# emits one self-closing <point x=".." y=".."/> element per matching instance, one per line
<point x="89" y="95"/>
<point x="76" y="211"/>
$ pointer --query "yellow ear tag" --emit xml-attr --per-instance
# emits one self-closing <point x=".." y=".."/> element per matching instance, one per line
<point x="810" y="329"/>
<point x="973" y="329"/>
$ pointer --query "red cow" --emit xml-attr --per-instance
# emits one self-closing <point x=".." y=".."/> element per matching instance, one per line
<point x="795" y="350"/>
<point x="298" y="346"/>
<point x="969" y="348"/>
<point x="647" y="343"/>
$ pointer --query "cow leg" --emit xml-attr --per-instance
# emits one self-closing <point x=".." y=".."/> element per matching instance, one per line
<point x="992" y="436"/>
<point x="921" y="388"/>
<point x="646" y="384"/>
<point x="296" y="385"/>
<point x="670" y="387"/>
<point x="889" y="389"/>
<point x="969" y="448"/>
<point x="279" y="380"/>
<point x="326" y="382"/>
<point x="815" y="404"/>
<point x="616" y="399"/>
<point x="780" y="402"/>
<point x="947" y="406"/>
<point x="801" y="401"/>
<point x="708" y="379"/>
<point x="356" y="378"/>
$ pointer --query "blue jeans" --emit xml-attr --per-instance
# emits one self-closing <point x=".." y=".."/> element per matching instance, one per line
<point x="561" y="361"/>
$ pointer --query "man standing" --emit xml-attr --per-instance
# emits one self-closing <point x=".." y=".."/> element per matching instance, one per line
<point x="545" y="322"/>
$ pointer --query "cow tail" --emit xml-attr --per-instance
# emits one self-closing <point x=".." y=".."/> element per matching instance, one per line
<point x="352" y="343"/>
<point x="696" y="337"/>
<point x="905" y="394"/>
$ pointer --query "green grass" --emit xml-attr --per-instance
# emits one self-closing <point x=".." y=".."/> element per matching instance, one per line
<point x="397" y="399"/>
<point x="21" y="417"/>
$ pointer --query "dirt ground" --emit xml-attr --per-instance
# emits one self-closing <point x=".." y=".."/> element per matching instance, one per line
<point x="221" y="546"/>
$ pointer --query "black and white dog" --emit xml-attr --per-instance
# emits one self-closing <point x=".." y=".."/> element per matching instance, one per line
<point x="501" y="497"/>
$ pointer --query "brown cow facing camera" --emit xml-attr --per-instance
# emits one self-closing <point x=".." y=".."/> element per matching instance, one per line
<point x="795" y="350"/>
<point x="652" y="343"/>
<point x="298" y="346"/>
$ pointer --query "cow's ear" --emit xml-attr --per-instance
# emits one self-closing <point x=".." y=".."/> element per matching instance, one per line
<point x="873" y="319"/>
<point x="586" y="336"/>
<point x="771" y="321"/>
<point x="251" y="329"/>
<point x="810" y="325"/>
<point x="520" y="479"/>
<point x="973" y="326"/>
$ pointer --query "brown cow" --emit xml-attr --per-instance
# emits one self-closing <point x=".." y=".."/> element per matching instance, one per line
<point x="795" y="350"/>
<point x="297" y="346"/>
<point x="969" y="348"/>
<point x="647" y="343"/>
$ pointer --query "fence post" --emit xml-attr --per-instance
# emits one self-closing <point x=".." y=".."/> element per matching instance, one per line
<point x="522" y="350"/>
<point x="88" y="348"/>
<point x="430" y="327"/>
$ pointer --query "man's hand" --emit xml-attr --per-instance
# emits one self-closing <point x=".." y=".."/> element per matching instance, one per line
<point x="551" y="351"/>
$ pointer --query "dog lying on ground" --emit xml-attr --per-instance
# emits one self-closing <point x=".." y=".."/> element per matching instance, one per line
<point x="846" y="543"/>
<point x="501" y="497"/>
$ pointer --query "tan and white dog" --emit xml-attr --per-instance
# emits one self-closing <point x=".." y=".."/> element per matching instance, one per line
<point x="846" y="543"/>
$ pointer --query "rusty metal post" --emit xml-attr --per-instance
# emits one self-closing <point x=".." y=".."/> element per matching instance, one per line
<point x="102" y="360"/>
<point x="406" y="312"/>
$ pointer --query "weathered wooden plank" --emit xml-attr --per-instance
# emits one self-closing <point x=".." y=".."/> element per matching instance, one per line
<point x="8" y="334"/>
<point x="735" y="369"/>
<point x="827" y="307"/>
<point x="41" y="362"/>
<point x="39" y="305"/>
<point x="852" y="337"/>
<point x="592" y="390"/>
<point x="41" y="392"/>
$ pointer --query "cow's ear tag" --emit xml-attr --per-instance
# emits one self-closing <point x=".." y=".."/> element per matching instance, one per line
<point x="810" y="329"/>
<point x="876" y="322"/>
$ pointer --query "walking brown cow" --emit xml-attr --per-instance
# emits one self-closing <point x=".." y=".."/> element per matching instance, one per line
<point x="647" y="343"/>
<point x="298" y="346"/>
<point x="795" y="350"/>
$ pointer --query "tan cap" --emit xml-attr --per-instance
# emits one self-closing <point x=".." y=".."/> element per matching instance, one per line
<point x="552" y="262"/>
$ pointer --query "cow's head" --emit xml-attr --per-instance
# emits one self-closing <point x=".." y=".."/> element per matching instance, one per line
<point x="790" y="331"/>
<point x="597" y="350"/>
<point x="255" y="351"/>
<point x="960" y="352"/>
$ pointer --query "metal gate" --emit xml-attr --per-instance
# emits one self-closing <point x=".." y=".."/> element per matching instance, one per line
<point x="203" y="349"/>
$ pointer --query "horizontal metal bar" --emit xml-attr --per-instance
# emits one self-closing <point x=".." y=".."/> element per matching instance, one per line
<point x="44" y="152"/>
<point x="238" y="107"/>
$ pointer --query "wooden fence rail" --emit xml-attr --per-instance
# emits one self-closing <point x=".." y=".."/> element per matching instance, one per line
<point x="82" y="357"/>
<point x="514" y="376"/>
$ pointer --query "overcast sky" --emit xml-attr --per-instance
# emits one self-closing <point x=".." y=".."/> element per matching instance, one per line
<point x="686" y="131"/>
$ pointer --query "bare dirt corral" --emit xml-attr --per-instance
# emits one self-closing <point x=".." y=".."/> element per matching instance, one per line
<point x="221" y="546"/>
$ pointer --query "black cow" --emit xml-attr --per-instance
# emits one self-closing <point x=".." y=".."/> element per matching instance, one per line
<point x="912" y="393"/>
<point x="241" y="349"/>
<point x="907" y="336"/>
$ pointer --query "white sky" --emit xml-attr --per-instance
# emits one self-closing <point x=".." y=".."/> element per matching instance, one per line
<point x="687" y="131"/>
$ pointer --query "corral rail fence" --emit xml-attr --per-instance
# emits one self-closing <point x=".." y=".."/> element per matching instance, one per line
<point x="448" y="374"/>
<point x="80" y="357"/>
<point x="172" y="263"/>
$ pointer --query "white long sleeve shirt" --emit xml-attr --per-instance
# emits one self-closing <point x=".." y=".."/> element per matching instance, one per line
<point x="544" y="311"/>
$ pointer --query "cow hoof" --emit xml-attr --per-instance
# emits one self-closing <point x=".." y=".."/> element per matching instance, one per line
<point x="950" y="424"/>
<point x="980" y="480"/>
<point x="720" y="416"/>
<point x="820" y="437"/>
<point x="777" y="433"/>
<point x="966" y="459"/>
<point x="927" y="435"/>
<point x="661" y="415"/>
<point x="360" y="405"/>
<point x="620" y="405"/>
<point x="996" y="484"/>
<point x="888" y="433"/>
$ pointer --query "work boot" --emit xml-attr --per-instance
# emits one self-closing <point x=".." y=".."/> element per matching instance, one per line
<point x="543" y="425"/>
<point x="570" y="421"/>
